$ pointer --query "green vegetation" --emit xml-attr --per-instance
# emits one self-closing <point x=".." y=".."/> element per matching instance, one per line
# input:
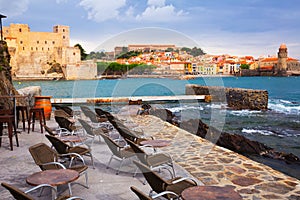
<point x="129" y="54"/>
<point x="96" y="55"/>
<point x="114" y="68"/>
<point x="194" y="51"/>
<point x="83" y="55"/>
<point x="245" y="66"/>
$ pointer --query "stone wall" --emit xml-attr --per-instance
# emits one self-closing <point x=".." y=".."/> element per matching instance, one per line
<point x="236" y="98"/>
<point x="85" y="70"/>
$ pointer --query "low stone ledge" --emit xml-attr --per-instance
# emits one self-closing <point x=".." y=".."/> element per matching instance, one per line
<point x="236" y="98"/>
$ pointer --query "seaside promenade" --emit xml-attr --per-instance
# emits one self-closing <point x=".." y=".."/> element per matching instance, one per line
<point x="194" y="156"/>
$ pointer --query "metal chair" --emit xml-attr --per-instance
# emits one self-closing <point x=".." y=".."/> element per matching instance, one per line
<point x="23" y="195"/>
<point x="46" y="158"/>
<point x="63" y="148"/>
<point x="158" y="184"/>
<point x="143" y="196"/>
<point x="153" y="161"/>
<point x="118" y="152"/>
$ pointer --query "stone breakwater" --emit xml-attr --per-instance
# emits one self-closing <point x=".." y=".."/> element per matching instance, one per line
<point x="236" y="98"/>
<point x="214" y="165"/>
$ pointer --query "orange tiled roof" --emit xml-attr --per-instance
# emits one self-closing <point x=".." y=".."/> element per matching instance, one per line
<point x="272" y="59"/>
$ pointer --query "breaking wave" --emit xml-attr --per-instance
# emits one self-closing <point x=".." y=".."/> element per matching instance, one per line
<point x="253" y="131"/>
<point x="284" y="106"/>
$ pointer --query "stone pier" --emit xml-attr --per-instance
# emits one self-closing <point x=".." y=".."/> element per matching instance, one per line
<point x="236" y="98"/>
<point x="214" y="165"/>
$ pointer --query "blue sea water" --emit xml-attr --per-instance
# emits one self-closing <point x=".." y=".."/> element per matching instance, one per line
<point x="278" y="127"/>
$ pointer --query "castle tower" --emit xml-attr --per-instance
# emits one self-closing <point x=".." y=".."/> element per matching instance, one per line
<point x="282" y="57"/>
<point x="65" y="34"/>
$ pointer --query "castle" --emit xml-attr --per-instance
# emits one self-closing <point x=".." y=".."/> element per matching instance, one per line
<point x="34" y="53"/>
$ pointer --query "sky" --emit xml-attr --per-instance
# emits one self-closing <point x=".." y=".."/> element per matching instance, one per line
<point x="236" y="27"/>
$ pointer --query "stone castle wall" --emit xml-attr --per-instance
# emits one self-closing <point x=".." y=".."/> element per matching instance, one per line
<point x="85" y="70"/>
<point x="31" y="52"/>
<point x="236" y="98"/>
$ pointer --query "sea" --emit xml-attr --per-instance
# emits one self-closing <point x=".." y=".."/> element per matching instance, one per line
<point x="278" y="127"/>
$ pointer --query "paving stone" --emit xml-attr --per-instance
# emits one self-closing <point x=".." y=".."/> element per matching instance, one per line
<point x="236" y="169"/>
<point x="275" y="187"/>
<point x="245" y="181"/>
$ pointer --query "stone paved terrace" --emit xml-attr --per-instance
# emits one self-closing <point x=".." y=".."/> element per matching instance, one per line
<point x="214" y="165"/>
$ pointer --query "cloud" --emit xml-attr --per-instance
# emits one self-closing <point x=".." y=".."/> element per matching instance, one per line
<point x="13" y="8"/>
<point x="159" y="3"/>
<point x="102" y="10"/>
<point x="61" y="1"/>
<point x="157" y="11"/>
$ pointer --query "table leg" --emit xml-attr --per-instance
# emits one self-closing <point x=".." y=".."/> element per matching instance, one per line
<point x="10" y="134"/>
<point x="70" y="190"/>
<point x="1" y="133"/>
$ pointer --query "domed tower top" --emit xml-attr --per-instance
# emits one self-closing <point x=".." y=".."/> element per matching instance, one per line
<point x="282" y="46"/>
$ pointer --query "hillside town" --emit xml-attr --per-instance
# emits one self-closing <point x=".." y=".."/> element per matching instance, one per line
<point x="48" y="55"/>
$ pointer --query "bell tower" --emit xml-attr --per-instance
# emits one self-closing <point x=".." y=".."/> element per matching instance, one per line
<point x="282" y="58"/>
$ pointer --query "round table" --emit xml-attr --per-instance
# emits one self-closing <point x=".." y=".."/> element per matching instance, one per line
<point x="210" y="193"/>
<point x="156" y="143"/>
<point x="70" y="138"/>
<point x="53" y="177"/>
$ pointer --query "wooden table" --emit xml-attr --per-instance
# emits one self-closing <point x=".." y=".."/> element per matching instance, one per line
<point x="156" y="143"/>
<point x="210" y="193"/>
<point x="71" y="138"/>
<point x="53" y="177"/>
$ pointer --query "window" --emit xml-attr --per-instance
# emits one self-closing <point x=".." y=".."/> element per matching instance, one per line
<point x="21" y="42"/>
<point x="36" y="48"/>
<point x="23" y="48"/>
<point x="64" y="37"/>
<point x="20" y="30"/>
<point x="37" y="42"/>
<point x="45" y="42"/>
<point x="53" y="42"/>
<point x="48" y="49"/>
<point x="42" y="48"/>
<point x="63" y="30"/>
<point x="74" y="54"/>
<point x="31" y="48"/>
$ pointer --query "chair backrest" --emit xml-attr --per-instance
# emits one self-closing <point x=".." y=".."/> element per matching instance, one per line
<point x="88" y="128"/>
<point x="16" y="192"/>
<point x="49" y="130"/>
<point x="124" y="131"/>
<point x="64" y="123"/>
<point x="61" y="113"/>
<point x="140" y="153"/>
<point x="60" y="146"/>
<point x="41" y="154"/>
<point x="112" y="145"/>
<point x="140" y="194"/>
<point x="100" y="112"/>
<point x="154" y="180"/>
<point x="89" y="113"/>
<point x="67" y="109"/>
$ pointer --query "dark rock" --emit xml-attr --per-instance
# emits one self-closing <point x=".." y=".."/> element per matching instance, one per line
<point x="235" y="142"/>
<point x="163" y="114"/>
<point x="6" y="86"/>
